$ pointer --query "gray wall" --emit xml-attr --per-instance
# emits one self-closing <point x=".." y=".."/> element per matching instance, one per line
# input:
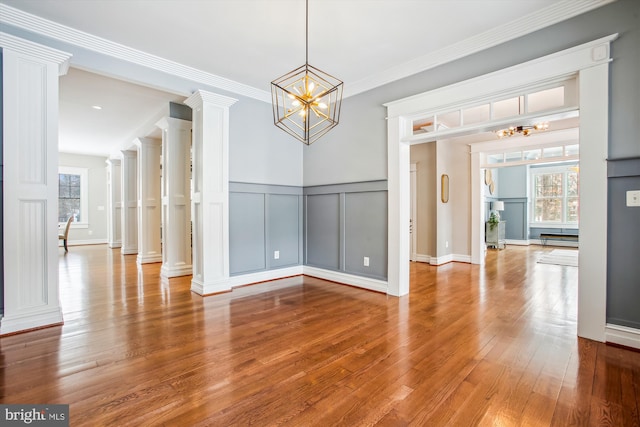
<point x="264" y="219"/>
<point x="345" y="223"/>
<point x="259" y="152"/>
<point x="623" y="272"/>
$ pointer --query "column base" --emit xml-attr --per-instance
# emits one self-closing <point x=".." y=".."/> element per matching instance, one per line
<point x="30" y="319"/>
<point x="129" y="251"/>
<point x="149" y="259"/>
<point x="176" y="271"/>
<point x="115" y="245"/>
<point x="201" y="287"/>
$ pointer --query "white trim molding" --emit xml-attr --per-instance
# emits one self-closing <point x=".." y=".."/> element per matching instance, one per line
<point x="556" y="12"/>
<point x="261" y="276"/>
<point x="346" y="279"/>
<point x="623" y="335"/>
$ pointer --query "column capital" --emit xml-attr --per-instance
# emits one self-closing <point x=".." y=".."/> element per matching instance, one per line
<point x="170" y="122"/>
<point x="138" y="142"/>
<point x="35" y="50"/>
<point x="200" y="97"/>
<point x="129" y="153"/>
<point x="112" y="162"/>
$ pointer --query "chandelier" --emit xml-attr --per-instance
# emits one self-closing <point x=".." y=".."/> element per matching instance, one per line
<point x="306" y="101"/>
<point x="524" y="130"/>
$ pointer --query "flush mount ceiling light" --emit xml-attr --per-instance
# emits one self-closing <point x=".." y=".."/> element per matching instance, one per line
<point x="524" y="130"/>
<point x="306" y="101"/>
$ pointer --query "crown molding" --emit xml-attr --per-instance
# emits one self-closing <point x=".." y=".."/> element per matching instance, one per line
<point x="47" y="28"/>
<point x="55" y="56"/>
<point x="526" y="24"/>
<point x="550" y="15"/>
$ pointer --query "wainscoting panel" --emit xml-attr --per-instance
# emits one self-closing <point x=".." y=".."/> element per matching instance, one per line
<point x="246" y="232"/>
<point x="344" y="224"/>
<point x="264" y="219"/>
<point x="515" y="214"/>
<point x="623" y="269"/>
<point x="283" y="230"/>
<point x="322" y="215"/>
<point x="366" y="233"/>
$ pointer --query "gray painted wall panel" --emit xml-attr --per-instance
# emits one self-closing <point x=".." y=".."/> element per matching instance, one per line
<point x="366" y="233"/>
<point x="283" y="226"/>
<point x="322" y="224"/>
<point x="515" y="214"/>
<point x="246" y="232"/>
<point x="623" y="272"/>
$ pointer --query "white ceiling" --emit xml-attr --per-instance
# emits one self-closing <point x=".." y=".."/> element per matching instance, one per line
<point x="365" y="43"/>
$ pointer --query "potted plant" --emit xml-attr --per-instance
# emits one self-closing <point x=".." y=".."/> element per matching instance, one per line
<point x="494" y="219"/>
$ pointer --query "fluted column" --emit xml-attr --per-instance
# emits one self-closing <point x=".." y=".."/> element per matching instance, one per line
<point x="114" y="203"/>
<point x="210" y="197"/>
<point x="176" y="209"/>
<point x="129" y="202"/>
<point x="30" y="75"/>
<point x="149" y="203"/>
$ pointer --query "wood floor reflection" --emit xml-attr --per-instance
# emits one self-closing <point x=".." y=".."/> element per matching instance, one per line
<point x="493" y="345"/>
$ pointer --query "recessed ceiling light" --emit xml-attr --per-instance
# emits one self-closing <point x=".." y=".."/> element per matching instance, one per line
<point x="96" y="107"/>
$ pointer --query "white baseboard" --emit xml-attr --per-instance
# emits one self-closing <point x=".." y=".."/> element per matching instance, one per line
<point x="422" y="258"/>
<point x="83" y="242"/>
<point x="443" y="259"/>
<point x="347" y="279"/>
<point x="462" y="258"/>
<point x="518" y="242"/>
<point x="264" y="276"/>
<point x="622" y="335"/>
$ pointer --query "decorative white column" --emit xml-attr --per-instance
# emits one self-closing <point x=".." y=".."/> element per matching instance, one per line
<point x="149" y="211"/>
<point x="30" y="152"/>
<point x="114" y="203"/>
<point x="129" y="202"/>
<point x="210" y="197"/>
<point x="176" y="189"/>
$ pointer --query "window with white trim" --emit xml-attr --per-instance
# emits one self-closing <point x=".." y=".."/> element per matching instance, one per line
<point x="554" y="199"/>
<point x="73" y="195"/>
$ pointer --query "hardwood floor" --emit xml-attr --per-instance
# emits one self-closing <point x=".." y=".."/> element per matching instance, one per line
<point x="469" y="346"/>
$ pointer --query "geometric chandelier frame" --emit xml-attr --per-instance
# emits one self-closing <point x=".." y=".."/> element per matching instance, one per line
<point x="306" y="101"/>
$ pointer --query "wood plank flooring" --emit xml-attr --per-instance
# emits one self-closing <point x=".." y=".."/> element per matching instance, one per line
<point x="493" y="345"/>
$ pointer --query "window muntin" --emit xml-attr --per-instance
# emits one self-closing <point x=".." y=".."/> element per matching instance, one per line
<point x="69" y="196"/>
<point x="555" y="198"/>
<point x="73" y="198"/>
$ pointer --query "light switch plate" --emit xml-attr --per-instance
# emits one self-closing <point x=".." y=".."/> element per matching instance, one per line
<point x="633" y="198"/>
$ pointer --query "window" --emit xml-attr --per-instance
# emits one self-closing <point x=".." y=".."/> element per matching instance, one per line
<point x="72" y="195"/>
<point x="555" y="198"/>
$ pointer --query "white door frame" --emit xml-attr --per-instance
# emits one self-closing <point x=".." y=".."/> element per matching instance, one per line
<point x="590" y="61"/>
